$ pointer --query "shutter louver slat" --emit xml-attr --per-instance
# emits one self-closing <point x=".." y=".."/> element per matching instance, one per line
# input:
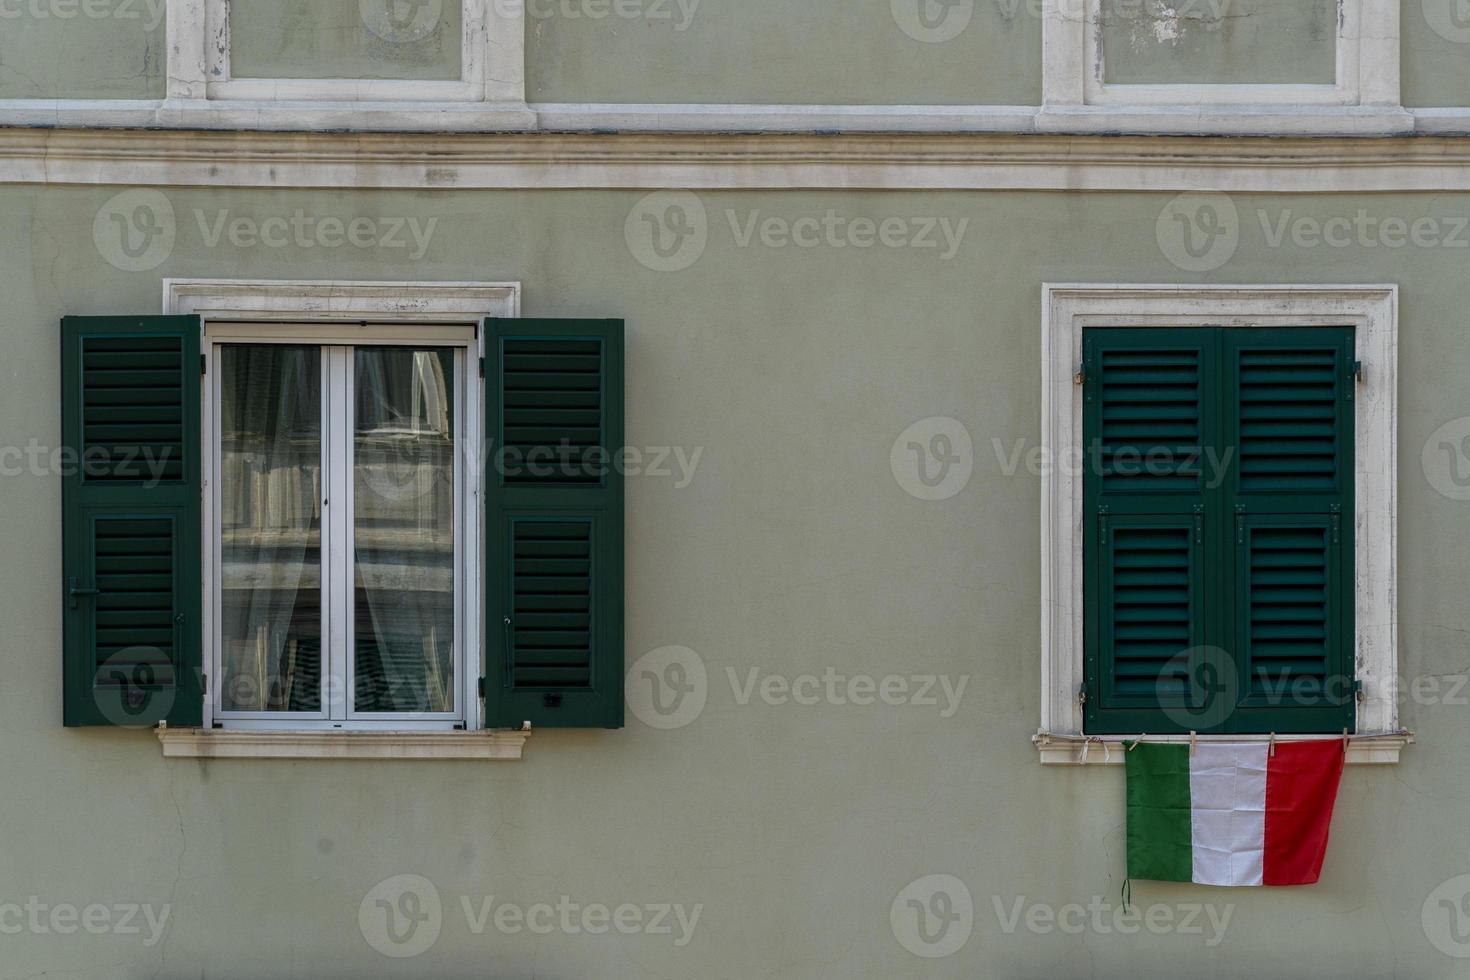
<point x="552" y="561"/>
<point x="552" y="410"/>
<point x="144" y="440"/>
<point x="1151" y="609"/>
<point x="1288" y="409"/>
<point x="1150" y="431"/>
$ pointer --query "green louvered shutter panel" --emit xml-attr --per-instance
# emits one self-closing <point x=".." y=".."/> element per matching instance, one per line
<point x="554" y="539"/>
<point x="1289" y="396"/>
<point x="131" y="574"/>
<point x="1149" y="411"/>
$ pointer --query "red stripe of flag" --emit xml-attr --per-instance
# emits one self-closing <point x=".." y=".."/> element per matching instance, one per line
<point x="1301" y="789"/>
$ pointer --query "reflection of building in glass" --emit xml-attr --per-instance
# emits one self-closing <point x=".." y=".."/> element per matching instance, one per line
<point x="402" y="458"/>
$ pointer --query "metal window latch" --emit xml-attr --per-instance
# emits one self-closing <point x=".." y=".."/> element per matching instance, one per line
<point x="73" y="593"/>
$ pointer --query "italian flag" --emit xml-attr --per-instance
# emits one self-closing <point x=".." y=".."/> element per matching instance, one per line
<point x="1231" y="813"/>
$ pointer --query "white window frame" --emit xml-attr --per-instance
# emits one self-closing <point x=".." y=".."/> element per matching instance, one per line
<point x="1074" y="72"/>
<point x="1068" y="309"/>
<point x="337" y="343"/>
<point x="492" y="62"/>
<point x="418" y="312"/>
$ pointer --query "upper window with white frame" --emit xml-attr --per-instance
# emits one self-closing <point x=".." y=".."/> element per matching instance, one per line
<point x="1221" y="52"/>
<point x="347" y="50"/>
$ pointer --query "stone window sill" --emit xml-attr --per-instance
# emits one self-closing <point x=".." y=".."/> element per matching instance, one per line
<point x="1110" y="750"/>
<point x="199" y="743"/>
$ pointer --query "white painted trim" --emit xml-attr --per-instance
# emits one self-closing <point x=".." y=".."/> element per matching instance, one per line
<point x="513" y="116"/>
<point x="492" y="62"/>
<point x="728" y="162"/>
<point x="1074" y="67"/>
<point x="349" y="302"/>
<point x="1112" y="750"/>
<point x="198" y="743"/>
<point x="286" y="300"/>
<point x="1372" y="309"/>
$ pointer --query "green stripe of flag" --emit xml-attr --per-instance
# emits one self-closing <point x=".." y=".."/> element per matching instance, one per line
<point x="1160" y="842"/>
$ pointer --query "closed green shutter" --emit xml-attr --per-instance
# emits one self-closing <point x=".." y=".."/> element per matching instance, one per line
<point x="554" y="516"/>
<point x="1218" y="568"/>
<point x="1149" y="412"/>
<point x="1290" y="400"/>
<point x="131" y="573"/>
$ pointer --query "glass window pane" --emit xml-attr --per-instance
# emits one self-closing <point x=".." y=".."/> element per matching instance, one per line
<point x="270" y="496"/>
<point x="403" y="486"/>
<point x="363" y="39"/>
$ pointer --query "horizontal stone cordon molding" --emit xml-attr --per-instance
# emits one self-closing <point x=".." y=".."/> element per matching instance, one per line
<point x="287" y="115"/>
<point x="716" y="162"/>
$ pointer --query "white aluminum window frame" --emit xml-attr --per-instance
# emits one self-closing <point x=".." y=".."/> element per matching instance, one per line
<point x="1068" y="309"/>
<point x="419" y="305"/>
<point x="492" y="62"/>
<point x="338" y="343"/>
<point x="1074" y="71"/>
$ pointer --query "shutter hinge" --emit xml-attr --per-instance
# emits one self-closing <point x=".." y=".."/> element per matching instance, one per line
<point x="1358" y="371"/>
<point x="204" y="683"/>
<point x="482" y="367"/>
<point x="1081" y="376"/>
<point x="481" y="688"/>
<point x="1358" y="694"/>
<point x="203" y="364"/>
<point x="1082" y="695"/>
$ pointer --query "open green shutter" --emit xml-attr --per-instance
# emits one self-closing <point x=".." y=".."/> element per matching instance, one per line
<point x="1149" y="412"/>
<point x="131" y="573"/>
<point x="1290" y="416"/>
<point x="554" y="523"/>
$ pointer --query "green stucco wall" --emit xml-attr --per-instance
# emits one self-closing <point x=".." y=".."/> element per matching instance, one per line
<point x="1219" y="41"/>
<point x="346" y="39"/>
<point x="1435" y="53"/>
<point x="763" y="51"/>
<point x="759" y="51"/>
<point x="109" y="49"/>
<point x="794" y="549"/>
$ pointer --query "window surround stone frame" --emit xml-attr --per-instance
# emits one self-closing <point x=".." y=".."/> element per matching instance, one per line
<point x="492" y="62"/>
<point x="1074" y="70"/>
<point x="1069" y="308"/>
<point x="347" y="302"/>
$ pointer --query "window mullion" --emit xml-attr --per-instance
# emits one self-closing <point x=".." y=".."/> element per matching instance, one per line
<point x="337" y="527"/>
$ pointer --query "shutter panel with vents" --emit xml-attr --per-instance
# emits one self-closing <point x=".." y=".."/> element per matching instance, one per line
<point x="1149" y="411"/>
<point x="1218" y="503"/>
<point x="554" y="514"/>
<point x="1289" y="397"/>
<point x="131" y="570"/>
